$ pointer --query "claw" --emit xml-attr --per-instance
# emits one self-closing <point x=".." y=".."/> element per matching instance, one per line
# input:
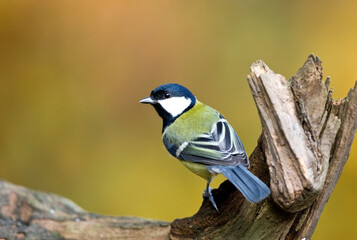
<point x="208" y="194"/>
<point x="213" y="202"/>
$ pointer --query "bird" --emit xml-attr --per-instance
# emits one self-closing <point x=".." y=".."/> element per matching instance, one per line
<point x="203" y="140"/>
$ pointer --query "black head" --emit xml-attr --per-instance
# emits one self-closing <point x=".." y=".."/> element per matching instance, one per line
<point x="170" y="101"/>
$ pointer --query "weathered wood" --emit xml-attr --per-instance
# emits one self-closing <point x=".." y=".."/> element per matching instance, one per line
<point x="29" y="214"/>
<point x="298" y="131"/>
<point x="305" y="143"/>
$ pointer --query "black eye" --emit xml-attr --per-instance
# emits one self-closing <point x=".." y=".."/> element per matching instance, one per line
<point x="167" y="95"/>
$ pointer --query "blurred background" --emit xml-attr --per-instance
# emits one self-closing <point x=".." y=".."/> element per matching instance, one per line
<point x="72" y="73"/>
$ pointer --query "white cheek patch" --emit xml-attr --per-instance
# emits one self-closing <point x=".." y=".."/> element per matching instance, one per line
<point x="175" y="105"/>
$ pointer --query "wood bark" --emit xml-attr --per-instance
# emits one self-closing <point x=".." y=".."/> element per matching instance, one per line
<point x="305" y="142"/>
<point x="29" y="214"/>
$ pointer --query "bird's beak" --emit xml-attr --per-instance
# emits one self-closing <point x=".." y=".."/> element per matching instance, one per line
<point x="147" y="100"/>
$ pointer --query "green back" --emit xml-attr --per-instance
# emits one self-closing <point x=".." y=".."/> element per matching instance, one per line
<point x="199" y="119"/>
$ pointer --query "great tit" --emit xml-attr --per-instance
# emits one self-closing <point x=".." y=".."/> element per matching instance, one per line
<point x="203" y="140"/>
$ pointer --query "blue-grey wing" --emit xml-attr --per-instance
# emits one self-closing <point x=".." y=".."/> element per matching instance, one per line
<point x="221" y="146"/>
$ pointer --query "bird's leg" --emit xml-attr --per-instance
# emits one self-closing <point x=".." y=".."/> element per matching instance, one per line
<point x="208" y="194"/>
<point x="207" y="191"/>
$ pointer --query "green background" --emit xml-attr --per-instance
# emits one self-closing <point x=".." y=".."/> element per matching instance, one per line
<point x="72" y="73"/>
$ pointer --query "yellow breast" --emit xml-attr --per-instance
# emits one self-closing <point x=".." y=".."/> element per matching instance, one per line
<point x="198" y="169"/>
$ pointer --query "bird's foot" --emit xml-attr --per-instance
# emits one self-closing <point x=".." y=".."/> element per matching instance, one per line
<point x="208" y="194"/>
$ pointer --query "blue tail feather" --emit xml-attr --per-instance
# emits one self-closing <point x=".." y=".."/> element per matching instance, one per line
<point x="252" y="188"/>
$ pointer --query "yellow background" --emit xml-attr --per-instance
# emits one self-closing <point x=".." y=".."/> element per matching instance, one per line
<point x="72" y="73"/>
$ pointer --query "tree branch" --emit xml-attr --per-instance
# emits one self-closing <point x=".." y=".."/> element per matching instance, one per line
<point x="306" y="140"/>
<point x="28" y="214"/>
<point x="305" y="143"/>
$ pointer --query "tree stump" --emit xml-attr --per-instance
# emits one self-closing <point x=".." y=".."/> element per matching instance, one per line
<point x="305" y="142"/>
